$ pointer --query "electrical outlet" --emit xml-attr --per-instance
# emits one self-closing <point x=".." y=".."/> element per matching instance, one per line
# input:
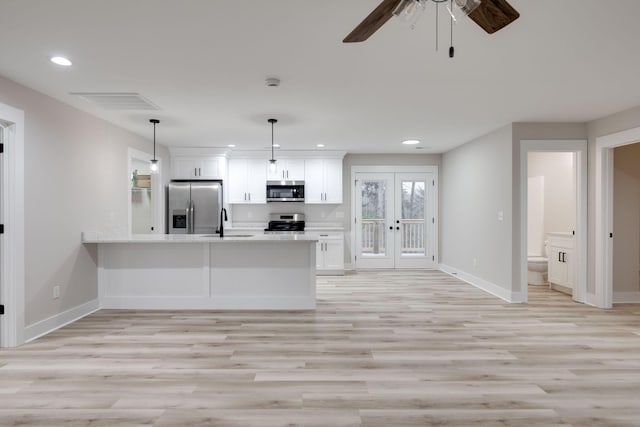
<point x="500" y="216"/>
<point x="249" y="214"/>
<point x="56" y="292"/>
<point x="339" y="214"/>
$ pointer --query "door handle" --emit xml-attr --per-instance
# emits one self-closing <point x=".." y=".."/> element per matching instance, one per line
<point x="559" y="256"/>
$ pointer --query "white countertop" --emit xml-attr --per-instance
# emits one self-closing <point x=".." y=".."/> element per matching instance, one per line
<point x="94" y="237"/>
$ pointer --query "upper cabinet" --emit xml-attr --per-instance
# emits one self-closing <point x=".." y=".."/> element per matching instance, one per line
<point x="287" y="169"/>
<point x="198" y="167"/>
<point x="247" y="181"/>
<point x="323" y="181"/>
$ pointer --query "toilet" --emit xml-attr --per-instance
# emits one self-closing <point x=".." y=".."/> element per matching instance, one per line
<point x="537" y="267"/>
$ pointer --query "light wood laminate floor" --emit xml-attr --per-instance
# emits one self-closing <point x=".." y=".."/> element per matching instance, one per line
<point x="388" y="349"/>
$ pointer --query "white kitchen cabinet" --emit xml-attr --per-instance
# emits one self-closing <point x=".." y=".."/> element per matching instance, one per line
<point x="323" y="181"/>
<point x="198" y="167"/>
<point x="330" y="253"/>
<point x="560" y="260"/>
<point x="247" y="181"/>
<point x="287" y="169"/>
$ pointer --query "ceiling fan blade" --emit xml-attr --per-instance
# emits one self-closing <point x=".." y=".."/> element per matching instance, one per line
<point x="493" y="15"/>
<point x="373" y="22"/>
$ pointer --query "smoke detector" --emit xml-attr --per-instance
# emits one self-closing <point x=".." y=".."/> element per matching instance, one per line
<point x="272" y="81"/>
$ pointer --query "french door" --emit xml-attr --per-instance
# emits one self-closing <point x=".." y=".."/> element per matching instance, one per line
<point x="395" y="220"/>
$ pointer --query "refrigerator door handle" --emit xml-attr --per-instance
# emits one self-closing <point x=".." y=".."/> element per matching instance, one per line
<point x="193" y="217"/>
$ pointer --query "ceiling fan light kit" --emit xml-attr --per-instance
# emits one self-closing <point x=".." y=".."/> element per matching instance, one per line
<point x="490" y="15"/>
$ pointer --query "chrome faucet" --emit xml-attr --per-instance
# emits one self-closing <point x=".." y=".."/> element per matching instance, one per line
<point x="223" y="217"/>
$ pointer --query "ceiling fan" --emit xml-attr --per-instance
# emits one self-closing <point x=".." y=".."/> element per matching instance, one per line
<point x="490" y="15"/>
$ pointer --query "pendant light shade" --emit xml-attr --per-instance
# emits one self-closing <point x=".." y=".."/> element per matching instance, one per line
<point x="154" y="162"/>
<point x="272" y="162"/>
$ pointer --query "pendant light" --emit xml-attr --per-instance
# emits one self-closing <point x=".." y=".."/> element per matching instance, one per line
<point x="154" y="161"/>
<point x="272" y="161"/>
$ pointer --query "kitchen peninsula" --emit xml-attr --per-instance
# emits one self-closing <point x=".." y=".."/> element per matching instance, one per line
<point x="258" y="272"/>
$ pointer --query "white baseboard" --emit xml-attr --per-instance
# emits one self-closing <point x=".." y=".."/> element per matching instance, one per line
<point x="492" y="288"/>
<point x="626" y="297"/>
<point x="45" y="326"/>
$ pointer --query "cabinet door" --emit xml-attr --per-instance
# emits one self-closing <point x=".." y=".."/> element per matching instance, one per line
<point x="276" y="174"/>
<point x="557" y="269"/>
<point x="320" y="255"/>
<point x="314" y="181"/>
<point x="237" y="182"/>
<point x="333" y="180"/>
<point x="256" y="181"/>
<point x="210" y="168"/>
<point x="183" y="167"/>
<point x="334" y="254"/>
<point x="568" y="267"/>
<point x="295" y="169"/>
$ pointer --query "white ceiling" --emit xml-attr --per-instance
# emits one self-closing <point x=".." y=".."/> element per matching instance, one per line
<point x="204" y="62"/>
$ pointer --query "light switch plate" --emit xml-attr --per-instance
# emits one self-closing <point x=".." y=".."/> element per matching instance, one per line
<point x="500" y="216"/>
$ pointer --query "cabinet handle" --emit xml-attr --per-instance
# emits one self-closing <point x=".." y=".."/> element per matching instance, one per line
<point x="287" y="174"/>
<point x="199" y="172"/>
<point x="559" y="256"/>
<point x="195" y="171"/>
<point x="563" y="254"/>
<point x="249" y="196"/>
<point x="391" y="228"/>
<point x="245" y="196"/>
<point x="397" y="228"/>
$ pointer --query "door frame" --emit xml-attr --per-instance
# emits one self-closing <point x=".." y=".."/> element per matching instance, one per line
<point x="157" y="196"/>
<point x="603" y="282"/>
<point x="579" y="148"/>
<point x="13" y="286"/>
<point x="433" y="169"/>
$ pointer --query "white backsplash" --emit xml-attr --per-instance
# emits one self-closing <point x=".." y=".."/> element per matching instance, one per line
<point x="315" y="215"/>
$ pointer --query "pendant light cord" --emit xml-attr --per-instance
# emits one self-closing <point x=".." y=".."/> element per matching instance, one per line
<point x="154" y="141"/>
<point x="272" y="140"/>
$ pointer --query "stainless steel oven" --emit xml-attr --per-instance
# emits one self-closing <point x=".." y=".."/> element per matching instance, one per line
<point x="285" y="191"/>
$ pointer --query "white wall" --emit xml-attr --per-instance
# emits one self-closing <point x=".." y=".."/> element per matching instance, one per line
<point x="76" y="179"/>
<point x="558" y="170"/>
<point x="626" y="218"/>
<point x="475" y="185"/>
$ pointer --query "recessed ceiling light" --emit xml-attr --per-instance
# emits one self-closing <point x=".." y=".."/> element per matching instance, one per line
<point x="319" y="145"/>
<point x="231" y="145"/>
<point x="276" y="145"/>
<point x="411" y="142"/>
<point x="61" y="60"/>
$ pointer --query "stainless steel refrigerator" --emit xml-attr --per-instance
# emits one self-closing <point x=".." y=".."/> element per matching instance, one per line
<point x="193" y="207"/>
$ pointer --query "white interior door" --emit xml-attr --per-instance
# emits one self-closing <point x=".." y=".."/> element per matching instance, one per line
<point x="374" y="220"/>
<point x="395" y="220"/>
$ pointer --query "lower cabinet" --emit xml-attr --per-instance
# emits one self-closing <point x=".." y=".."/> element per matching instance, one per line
<point x="560" y="265"/>
<point x="330" y="253"/>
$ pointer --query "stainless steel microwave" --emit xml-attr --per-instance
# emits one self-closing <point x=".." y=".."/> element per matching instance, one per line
<point x="285" y="191"/>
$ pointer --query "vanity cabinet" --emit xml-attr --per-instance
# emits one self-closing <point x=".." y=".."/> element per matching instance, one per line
<point x="247" y="183"/>
<point x="198" y="167"/>
<point x="323" y="181"/>
<point x="561" y="267"/>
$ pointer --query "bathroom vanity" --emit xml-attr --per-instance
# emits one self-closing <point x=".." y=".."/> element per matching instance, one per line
<point x="561" y="250"/>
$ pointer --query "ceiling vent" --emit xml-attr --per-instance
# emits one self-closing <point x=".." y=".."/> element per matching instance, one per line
<point x="116" y="100"/>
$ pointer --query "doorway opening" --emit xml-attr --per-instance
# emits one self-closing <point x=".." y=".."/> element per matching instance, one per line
<point x="553" y="217"/>
<point x="615" y="273"/>
<point x="145" y="195"/>
<point x="551" y="220"/>
<point x="394" y="217"/>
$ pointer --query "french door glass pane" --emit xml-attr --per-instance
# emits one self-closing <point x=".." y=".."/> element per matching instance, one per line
<point x="374" y="201"/>
<point x="413" y="224"/>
